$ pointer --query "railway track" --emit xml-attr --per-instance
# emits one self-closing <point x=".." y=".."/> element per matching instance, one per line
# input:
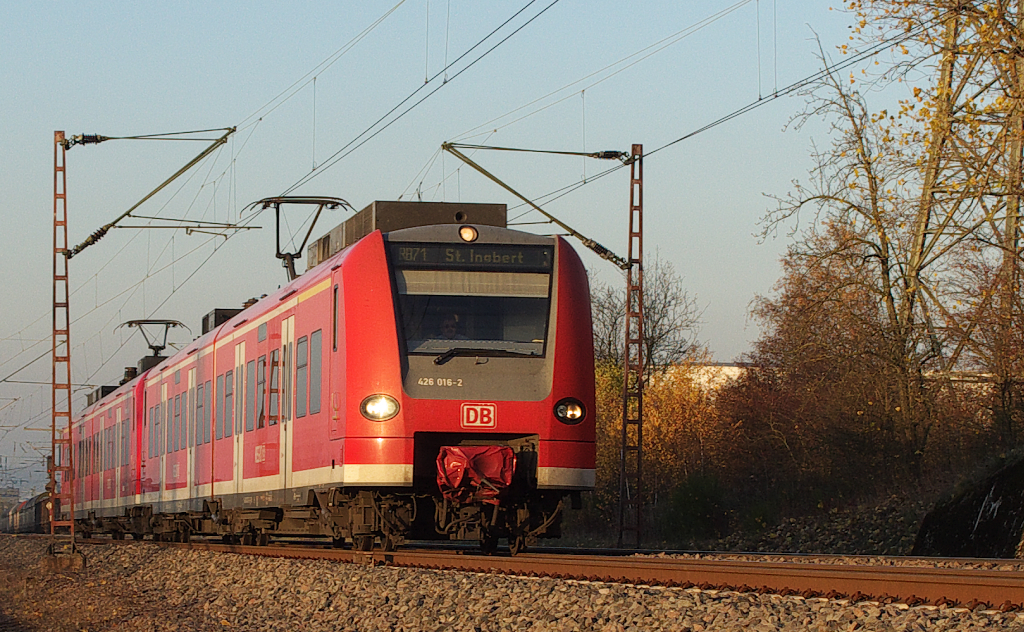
<point x="972" y="587"/>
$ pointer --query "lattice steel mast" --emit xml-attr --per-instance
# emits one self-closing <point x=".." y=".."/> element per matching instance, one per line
<point x="61" y="461"/>
<point x="631" y="452"/>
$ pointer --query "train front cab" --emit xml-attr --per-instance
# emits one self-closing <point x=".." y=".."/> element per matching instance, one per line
<point x="493" y="344"/>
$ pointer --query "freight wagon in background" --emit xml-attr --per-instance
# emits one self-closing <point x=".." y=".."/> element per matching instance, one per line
<point x="28" y="516"/>
<point x="429" y="377"/>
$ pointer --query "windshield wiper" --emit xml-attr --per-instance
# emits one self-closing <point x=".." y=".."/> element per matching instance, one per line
<point x="471" y="351"/>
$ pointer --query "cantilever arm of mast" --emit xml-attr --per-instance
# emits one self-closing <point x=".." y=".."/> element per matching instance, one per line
<point x="204" y="227"/>
<point x="97" y="235"/>
<point x="604" y="253"/>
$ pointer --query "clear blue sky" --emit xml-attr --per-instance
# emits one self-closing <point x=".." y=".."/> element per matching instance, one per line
<point x="119" y="68"/>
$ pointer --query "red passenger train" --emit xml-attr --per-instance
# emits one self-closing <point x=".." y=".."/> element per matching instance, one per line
<point x="425" y="382"/>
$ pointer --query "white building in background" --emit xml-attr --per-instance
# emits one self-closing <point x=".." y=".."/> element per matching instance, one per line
<point x="709" y="377"/>
<point x="715" y="375"/>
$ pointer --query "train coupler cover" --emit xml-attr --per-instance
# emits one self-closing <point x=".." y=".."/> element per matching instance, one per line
<point x="467" y="474"/>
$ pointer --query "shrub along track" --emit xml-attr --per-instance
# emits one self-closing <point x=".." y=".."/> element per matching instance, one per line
<point x="886" y="580"/>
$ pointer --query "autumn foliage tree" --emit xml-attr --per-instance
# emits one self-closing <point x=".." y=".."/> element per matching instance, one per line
<point x="905" y="275"/>
<point x="893" y="343"/>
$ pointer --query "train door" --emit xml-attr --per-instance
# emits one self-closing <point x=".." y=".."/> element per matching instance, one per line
<point x="161" y="450"/>
<point x="99" y="461"/>
<point x="120" y="455"/>
<point x="336" y="363"/>
<point x="281" y="385"/>
<point x="267" y="435"/>
<point x="190" y="426"/>
<point x="240" y="411"/>
<point x="145" y="419"/>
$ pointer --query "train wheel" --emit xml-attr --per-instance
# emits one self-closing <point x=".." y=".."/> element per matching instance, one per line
<point x="248" y="539"/>
<point x="263" y="539"/>
<point x="362" y="542"/>
<point x="338" y="543"/>
<point x="389" y="543"/>
<point x="516" y="544"/>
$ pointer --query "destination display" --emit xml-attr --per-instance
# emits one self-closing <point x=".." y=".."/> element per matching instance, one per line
<point x="504" y="257"/>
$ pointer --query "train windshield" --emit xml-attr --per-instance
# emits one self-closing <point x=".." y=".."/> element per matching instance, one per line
<point x="481" y="311"/>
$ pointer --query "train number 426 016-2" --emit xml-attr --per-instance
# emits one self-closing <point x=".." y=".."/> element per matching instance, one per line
<point x="441" y="381"/>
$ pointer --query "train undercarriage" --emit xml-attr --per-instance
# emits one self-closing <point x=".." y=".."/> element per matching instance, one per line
<point x="481" y="493"/>
<point x="361" y="518"/>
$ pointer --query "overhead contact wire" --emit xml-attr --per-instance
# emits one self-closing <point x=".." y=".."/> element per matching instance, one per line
<point x="345" y="151"/>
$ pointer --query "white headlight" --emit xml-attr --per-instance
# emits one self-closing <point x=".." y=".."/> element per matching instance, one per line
<point x="570" y="411"/>
<point x="379" y="407"/>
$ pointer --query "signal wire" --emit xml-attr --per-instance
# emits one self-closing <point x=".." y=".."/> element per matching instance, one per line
<point x="355" y="143"/>
<point x="650" y="50"/>
<point x="867" y="53"/>
<point x="301" y="82"/>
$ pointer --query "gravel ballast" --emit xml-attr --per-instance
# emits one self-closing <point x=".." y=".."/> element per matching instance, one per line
<point x="147" y="587"/>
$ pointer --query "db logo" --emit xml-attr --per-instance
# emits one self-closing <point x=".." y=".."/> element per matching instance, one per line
<point x="479" y="415"/>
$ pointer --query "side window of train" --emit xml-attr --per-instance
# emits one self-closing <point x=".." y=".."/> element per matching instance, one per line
<point x="220" y="408"/>
<point x="239" y="399"/>
<point x="155" y="429"/>
<point x="184" y="420"/>
<point x="275" y="384"/>
<point x="198" y="418"/>
<point x="208" y="410"/>
<point x="301" y="368"/>
<point x="261" y="390"/>
<point x="177" y="423"/>
<point x="250" y="393"/>
<point x="315" y="374"/>
<point x="334" y="321"/>
<point x="169" y="434"/>
<point x="229" y="405"/>
<point x="286" y="376"/>
<point x="193" y="419"/>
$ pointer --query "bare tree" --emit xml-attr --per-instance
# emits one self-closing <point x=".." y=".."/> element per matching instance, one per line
<point x="671" y="318"/>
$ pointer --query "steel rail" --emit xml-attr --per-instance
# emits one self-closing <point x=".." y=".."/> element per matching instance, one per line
<point x="903" y="584"/>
